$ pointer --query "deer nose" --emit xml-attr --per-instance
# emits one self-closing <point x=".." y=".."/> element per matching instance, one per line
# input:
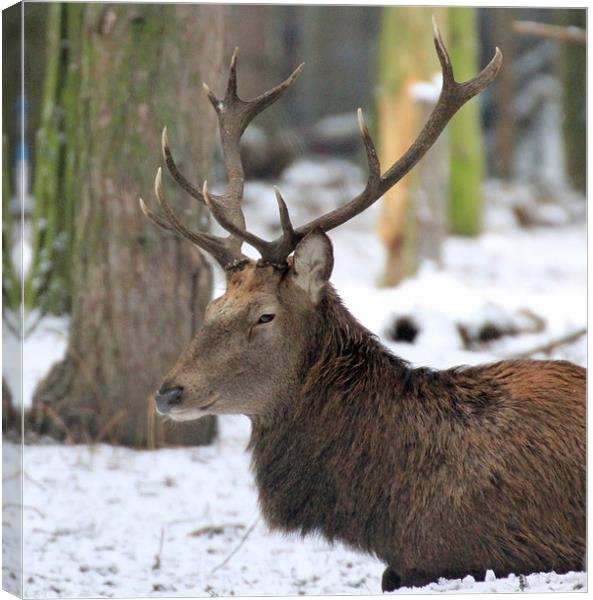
<point x="167" y="398"/>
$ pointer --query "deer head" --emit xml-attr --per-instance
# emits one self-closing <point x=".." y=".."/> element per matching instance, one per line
<point x="249" y="353"/>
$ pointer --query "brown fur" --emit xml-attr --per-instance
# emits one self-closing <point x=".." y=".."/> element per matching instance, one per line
<point x="438" y="473"/>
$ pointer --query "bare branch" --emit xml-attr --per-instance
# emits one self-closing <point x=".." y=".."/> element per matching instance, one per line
<point x="572" y="34"/>
<point x="157" y="556"/>
<point x="552" y="344"/>
<point x="243" y="539"/>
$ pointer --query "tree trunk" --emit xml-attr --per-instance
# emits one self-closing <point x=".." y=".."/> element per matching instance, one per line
<point x="506" y="118"/>
<point x="574" y="86"/>
<point x="427" y="230"/>
<point x="465" y="133"/>
<point x="407" y="57"/>
<point x="138" y="294"/>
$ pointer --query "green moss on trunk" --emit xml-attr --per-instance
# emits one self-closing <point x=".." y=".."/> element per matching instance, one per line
<point x="48" y="283"/>
<point x="465" y="134"/>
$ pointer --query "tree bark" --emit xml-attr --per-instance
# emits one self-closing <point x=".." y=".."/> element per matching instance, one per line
<point x="465" y="133"/>
<point x="574" y="86"/>
<point x="506" y="118"/>
<point x="407" y="57"/>
<point x="138" y="294"/>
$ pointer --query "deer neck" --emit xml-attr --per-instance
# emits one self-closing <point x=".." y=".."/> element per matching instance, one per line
<point x="317" y="441"/>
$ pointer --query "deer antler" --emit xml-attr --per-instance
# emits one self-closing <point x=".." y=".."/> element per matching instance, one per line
<point x="273" y="253"/>
<point x="234" y="115"/>
<point x="452" y="97"/>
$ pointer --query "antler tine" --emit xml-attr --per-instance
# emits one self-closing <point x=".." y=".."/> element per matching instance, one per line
<point x="175" y="173"/>
<point x="231" y="90"/>
<point x="372" y="158"/>
<point x="219" y="248"/>
<point x="221" y="216"/>
<point x="452" y="97"/>
<point x="285" y="223"/>
<point x="261" y="102"/>
<point x="274" y="252"/>
<point x="155" y="218"/>
<point x="443" y="56"/>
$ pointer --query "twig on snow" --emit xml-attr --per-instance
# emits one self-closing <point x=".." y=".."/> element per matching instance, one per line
<point x="215" y="529"/>
<point x="114" y="420"/>
<point x="553" y="344"/>
<point x="55" y="417"/>
<point x="157" y="558"/>
<point x="29" y="478"/>
<point x="238" y="547"/>
<point x="24" y="506"/>
<point x="26" y="476"/>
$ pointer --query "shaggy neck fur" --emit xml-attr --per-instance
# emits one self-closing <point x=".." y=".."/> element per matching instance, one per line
<point x="323" y="446"/>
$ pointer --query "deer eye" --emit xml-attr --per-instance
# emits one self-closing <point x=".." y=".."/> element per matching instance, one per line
<point x="265" y="318"/>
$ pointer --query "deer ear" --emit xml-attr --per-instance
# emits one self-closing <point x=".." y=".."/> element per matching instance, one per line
<point x="313" y="263"/>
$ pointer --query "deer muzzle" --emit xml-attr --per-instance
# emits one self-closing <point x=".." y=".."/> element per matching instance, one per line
<point x="166" y="399"/>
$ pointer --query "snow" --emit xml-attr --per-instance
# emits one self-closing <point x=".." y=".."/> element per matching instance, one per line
<point x="101" y="511"/>
<point x="427" y="91"/>
<point x="107" y="521"/>
<point x="44" y="344"/>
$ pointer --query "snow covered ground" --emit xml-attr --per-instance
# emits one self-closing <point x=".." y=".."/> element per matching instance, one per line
<point x="105" y="521"/>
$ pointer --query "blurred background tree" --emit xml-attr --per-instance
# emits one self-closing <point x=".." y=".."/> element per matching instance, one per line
<point x="574" y="89"/>
<point x="406" y="58"/>
<point x="465" y="130"/>
<point x="414" y="221"/>
<point x="115" y="75"/>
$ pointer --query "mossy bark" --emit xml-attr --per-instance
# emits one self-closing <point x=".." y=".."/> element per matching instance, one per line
<point x="138" y="295"/>
<point x="465" y="132"/>
<point x="47" y="285"/>
<point x="12" y="137"/>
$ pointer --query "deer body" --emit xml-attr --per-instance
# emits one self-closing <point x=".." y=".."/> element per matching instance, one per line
<point x="437" y="473"/>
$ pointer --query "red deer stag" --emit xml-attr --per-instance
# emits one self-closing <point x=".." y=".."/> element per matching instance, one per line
<point x="437" y="473"/>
